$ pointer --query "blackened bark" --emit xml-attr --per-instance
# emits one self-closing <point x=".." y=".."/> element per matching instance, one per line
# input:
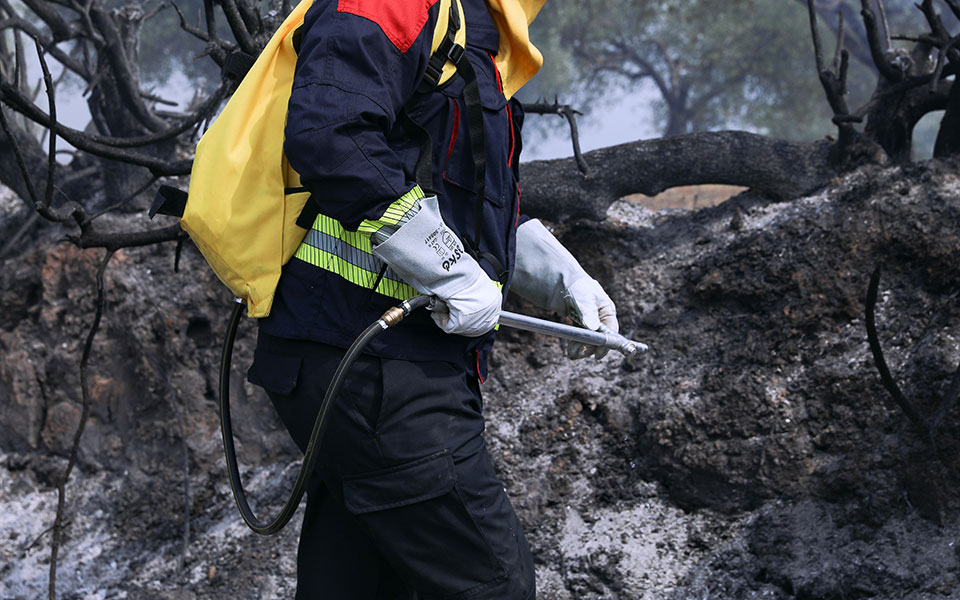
<point x="555" y="190"/>
<point x="110" y="101"/>
<point x="34" y="156"/>
<point x="948" y="138"/>
<point x="892" y="119"/>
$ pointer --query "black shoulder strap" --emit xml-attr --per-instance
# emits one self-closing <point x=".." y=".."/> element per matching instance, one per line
<point x="449" y="50"/>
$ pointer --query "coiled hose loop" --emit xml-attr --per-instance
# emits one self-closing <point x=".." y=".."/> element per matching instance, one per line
<point x="389" y="319"/>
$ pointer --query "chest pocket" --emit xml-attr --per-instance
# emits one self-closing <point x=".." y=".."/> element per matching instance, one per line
<point x="456" y="162"/>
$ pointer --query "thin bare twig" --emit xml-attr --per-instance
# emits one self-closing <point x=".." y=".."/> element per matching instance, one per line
<point x="158" y="99"/>
<point x="941" y="61"/>
<point x="22" y="231"/>
<point x="129" y="198"/>
<point x="52" y="151"/>
<point x="84" y="414"/>
<point x="32" y="30"/>
<point x="184" y="25"/>
<point x="886" y="24"/>
<point x="86" y="142"/>
<point x="841" y="38"/>
<point x="877" y="51"/>
<point x="21" y="163"/>
<point x="569" y="113"/>
<point x="834" y="82"/>
<point x="898" y="88"/>
<point x="42" y="205"/>
<point x="954" y="7"/>
<point x="111" y="147"/>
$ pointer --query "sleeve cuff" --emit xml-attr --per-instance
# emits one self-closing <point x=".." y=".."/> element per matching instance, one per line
<point x="399" y="212"/>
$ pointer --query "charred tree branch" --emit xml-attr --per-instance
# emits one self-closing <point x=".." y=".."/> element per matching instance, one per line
<point x="62" y="57"/>
<point x="948" y="138"/>
<point x="555" y="190"/>
<point x="184" y="25"/>
<point x="120" y="67"/>
<point x="942" y="61"/>
<point x="569" y="113"/>
<point x="11" y="243"/>
<point x="84" y="414"/>
<point x="61" y="29"/>
<point x="933" y="19"/>
<point x="834" y="81"/>
<point x="886" y="24"/>
<point x="239" y="28"/>
<point x="21" y="163"/>
<point x="856" y="45"/>
<point x="52" y="151"/>
<point x="91" y="238"/>
<point x="12" y="97"/>
<point x="954" y="7"/>
<point x="877" y="51"/>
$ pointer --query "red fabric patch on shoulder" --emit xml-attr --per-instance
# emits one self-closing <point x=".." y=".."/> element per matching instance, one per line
<point x="400" y="20"/>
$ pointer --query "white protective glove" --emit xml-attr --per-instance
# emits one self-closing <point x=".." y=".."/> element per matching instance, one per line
<point x="430" y="257"/>
<point x="549" y="276"/>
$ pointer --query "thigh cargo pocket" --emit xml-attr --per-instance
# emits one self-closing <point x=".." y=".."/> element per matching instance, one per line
<point x="416" y="516"/>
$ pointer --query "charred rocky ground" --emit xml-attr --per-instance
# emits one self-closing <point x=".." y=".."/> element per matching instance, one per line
<point x="753" y="453"/>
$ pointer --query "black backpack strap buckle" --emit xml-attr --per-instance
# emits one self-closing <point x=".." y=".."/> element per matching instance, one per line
<point x="169" y="201"/>
<point x="237" y="64"/>
<point x="456" y="53"/>
<point x="449" y="49"/>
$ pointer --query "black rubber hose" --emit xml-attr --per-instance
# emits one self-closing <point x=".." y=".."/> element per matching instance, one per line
<point x="319" y="426"/>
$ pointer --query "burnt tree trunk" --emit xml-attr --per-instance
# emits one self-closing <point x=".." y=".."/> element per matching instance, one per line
<point x="948" y="138"/>
<point x="110" y="108"/>
<point x="892" y="120"/>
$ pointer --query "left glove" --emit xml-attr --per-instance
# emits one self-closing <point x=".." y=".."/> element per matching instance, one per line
<point x="549" y="276"/>
<point x="429" y="256"/>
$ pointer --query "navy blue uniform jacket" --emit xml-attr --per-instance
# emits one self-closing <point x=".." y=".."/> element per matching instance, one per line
<point x="359" y="65"/>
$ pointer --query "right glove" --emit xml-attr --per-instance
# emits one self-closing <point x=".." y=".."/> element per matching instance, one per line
<point x="430" y="257"/>
<point x="549" y="276"/>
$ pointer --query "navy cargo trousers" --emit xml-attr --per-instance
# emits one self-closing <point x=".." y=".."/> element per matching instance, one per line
<point x="404" y="502"/>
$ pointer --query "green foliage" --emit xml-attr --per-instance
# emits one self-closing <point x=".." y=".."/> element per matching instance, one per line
<point x="744" y="64"/>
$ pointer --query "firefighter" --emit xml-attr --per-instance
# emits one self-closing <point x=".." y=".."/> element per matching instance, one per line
<point x="404" y="501"/>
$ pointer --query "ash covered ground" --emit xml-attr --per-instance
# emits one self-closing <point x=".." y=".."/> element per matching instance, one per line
<point x="753" y="453"/>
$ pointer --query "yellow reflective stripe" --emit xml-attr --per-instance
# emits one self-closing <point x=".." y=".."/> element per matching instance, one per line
<point x="394" y="212"/>
<point x="349" y="254"/>
<point x="352" y="273"/>
<point x="360" y="241"/>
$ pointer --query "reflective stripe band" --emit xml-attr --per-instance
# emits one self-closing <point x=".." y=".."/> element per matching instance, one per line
<point x="348" y="253"/>
<point x="357" y="275"/>
<point x="326" y="225"/>
<point x="394" y="212"/>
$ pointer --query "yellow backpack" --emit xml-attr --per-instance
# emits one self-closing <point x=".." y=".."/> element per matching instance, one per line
<point x="244" y="198"/>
